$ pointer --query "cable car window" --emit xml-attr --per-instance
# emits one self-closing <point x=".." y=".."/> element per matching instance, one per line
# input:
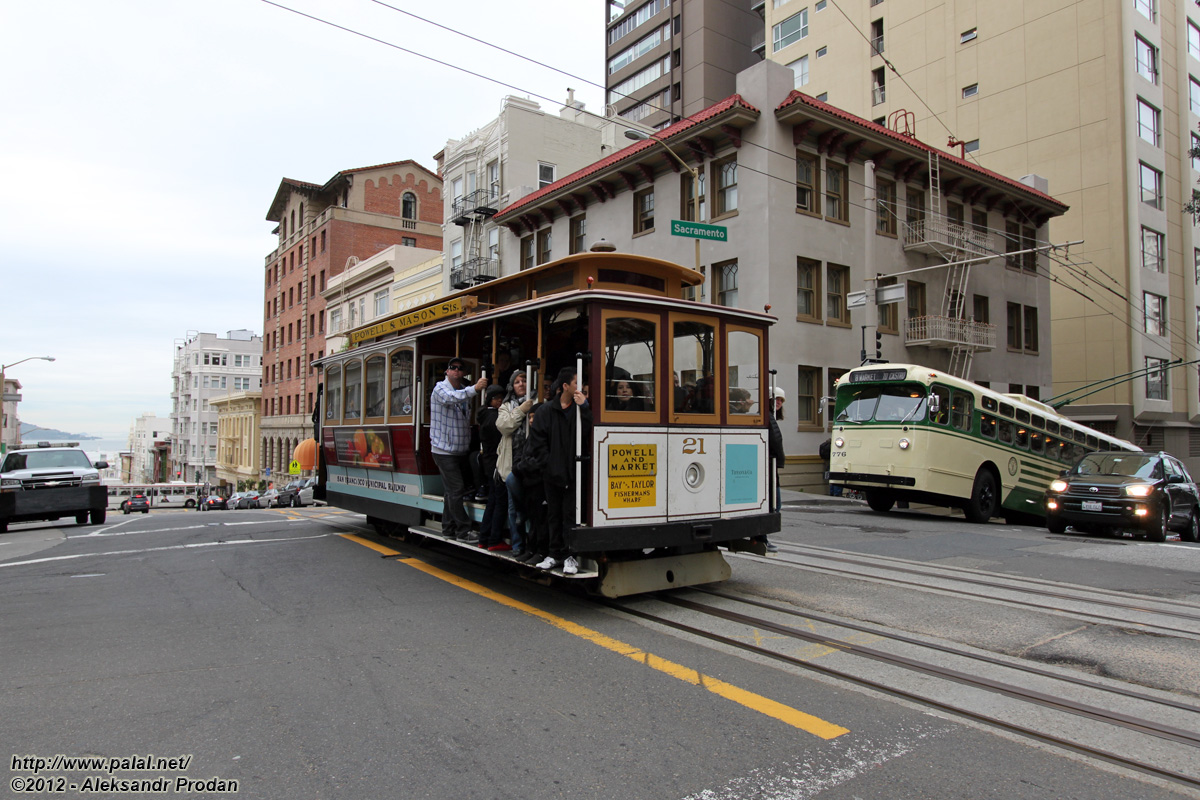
<point x="693" y="366"/>
<point x="743" y="375"/>
<point x="353" y="389"/>
<point x="333" y="392"/>
<point x="629" y="363"/>
<point x="401" y="383"/>
<point x="375" y="387"/>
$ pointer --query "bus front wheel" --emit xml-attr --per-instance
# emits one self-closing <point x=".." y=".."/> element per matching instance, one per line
<point x="982" y="506"/>
<point x="880" y="500"/>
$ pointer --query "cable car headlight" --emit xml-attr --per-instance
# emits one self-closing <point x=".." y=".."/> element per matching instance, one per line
<point x="839" y="443"/>
<point x="1058" y="486"/>
<point x="905" y="444"/>
<point x="1139" y="490"/>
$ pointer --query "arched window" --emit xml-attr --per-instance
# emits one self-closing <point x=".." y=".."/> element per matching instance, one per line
<point x="408" y="206"/>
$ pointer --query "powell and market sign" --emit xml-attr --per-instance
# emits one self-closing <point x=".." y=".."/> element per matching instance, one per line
<point x="699" y="230"/>
<point x="418" y="317"/>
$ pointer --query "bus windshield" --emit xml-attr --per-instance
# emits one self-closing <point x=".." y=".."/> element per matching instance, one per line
<point x="883" y="404"/>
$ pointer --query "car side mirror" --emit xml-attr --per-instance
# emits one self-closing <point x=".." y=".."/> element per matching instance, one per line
<point x="1174" y="479"/>
<point x="101" y="465"/>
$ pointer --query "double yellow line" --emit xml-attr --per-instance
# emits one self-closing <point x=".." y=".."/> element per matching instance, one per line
<point x="755" y="702"/>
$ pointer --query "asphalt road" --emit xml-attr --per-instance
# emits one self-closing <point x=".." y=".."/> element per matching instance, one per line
<point x="275" y="652"/>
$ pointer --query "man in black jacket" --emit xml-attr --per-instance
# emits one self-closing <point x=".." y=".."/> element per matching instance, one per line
<point x="552" y="437"/>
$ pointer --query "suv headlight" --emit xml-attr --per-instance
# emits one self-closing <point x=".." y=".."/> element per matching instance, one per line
<point x="1058" y="485"/>
<point x="1139" y="490"/>
<point x="10" y="483"/>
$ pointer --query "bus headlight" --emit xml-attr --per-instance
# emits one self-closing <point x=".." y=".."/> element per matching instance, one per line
<point x="1058" y="486"/>
<point x="839" y="443"/>
<point x="1140" y="490"/>
<point x="904" y="444"/>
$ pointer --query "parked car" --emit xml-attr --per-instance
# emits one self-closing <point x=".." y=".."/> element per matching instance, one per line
<point x="136" y="502"/>
<point x="214" y="502"/>
<point x="247" y="500"/>
<point x="270" y="499"/>
<point x="297" y="493"/>
<point x="1112" y="490"/>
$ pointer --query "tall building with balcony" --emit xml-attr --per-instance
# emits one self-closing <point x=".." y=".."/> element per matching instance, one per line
<point x="518" y="152"/>
<point x="824" y="213"/>
<point x="323" y="229"/>
<point x="1103" y="99"/>
<point x="207" y="367"/>
<point x="666" y="59"/>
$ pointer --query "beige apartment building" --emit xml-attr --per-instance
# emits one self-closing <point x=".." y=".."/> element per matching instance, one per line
<point x="1102" y="98"/>
<point x="237" y="436"/>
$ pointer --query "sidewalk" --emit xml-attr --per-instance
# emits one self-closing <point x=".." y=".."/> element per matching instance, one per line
<point x="792" y="498"/>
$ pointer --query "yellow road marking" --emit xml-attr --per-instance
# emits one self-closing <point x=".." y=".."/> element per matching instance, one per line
<point x="755" y="702"/>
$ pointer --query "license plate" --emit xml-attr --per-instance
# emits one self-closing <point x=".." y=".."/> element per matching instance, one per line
<point x="1093" y="505"/>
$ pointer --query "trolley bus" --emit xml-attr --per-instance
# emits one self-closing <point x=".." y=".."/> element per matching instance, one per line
<point x="664" y="483"/>
<point x="160" y="495"/>
<point x="906" y="432"/>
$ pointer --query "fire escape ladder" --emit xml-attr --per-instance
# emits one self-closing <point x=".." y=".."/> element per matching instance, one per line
<point x="935" y="185"/>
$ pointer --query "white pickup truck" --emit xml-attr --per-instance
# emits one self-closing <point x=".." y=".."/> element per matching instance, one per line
<point x="50" y="481"/>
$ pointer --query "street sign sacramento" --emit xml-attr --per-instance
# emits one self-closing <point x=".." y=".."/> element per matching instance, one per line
<point x="699" y="230"/>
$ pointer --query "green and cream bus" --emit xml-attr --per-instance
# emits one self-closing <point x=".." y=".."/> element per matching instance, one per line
<point x="903" y="432"/>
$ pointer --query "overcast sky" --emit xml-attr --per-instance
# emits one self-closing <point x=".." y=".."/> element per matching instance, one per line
<point x="142" y="142"/>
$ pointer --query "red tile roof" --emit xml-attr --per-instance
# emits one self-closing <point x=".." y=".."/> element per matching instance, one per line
<point x="812" y="102"/>
<point x="666" y="134"/>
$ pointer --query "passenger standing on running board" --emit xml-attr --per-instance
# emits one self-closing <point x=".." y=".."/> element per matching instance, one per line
<point x="450" y="439"/>
<point x="552" y="437"/>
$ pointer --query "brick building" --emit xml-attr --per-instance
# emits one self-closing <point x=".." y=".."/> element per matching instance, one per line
<point x="322" y="229"/>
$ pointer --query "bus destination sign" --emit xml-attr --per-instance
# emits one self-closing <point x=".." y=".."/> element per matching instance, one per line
<point x="878" y="375"/>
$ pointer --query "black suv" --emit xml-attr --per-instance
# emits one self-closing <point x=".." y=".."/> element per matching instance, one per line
<point x="1112" y="490"/>
<point x="137" y="502"/>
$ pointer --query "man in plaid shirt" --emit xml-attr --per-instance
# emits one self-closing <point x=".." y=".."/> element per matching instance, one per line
<point x="450" y="439"/>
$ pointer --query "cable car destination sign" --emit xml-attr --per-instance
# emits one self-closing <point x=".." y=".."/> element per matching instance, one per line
<point x="418" y="317"/>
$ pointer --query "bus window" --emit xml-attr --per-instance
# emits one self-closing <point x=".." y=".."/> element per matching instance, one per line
<point x="1052" y="447"/>
<point x="989" y="403"/>
<point x="1037" y="442"/>
<point x="987" y="426"/>
<point x="1039" y="421"/>
<point x="744" y="355"/>
<point x="1022" y="437"/>
<point x="629" y="363"/>
<point x="1022" y="416"/>
<point x="943" y="410"/>
<point x="374" y="389"/>
<point x="1006" y="431"/>
<point x="333" y="392"/>
<point x="860" y="405"/>
<point x="1007" y="410"/>
<point x="353" y="389"/>
<point x="693" y="364"/>
<point x="401" y="383"/>
<point x="1092" y="442"/>
<point x="1079" y="436"/>
<point x="960" y="410"/>
<point x="900" y="404"/>
<point x="1052" y="427"/>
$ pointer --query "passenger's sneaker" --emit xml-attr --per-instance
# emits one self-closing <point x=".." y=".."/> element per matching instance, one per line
<point x="532" y="558"/>
<point x="469" y="538"/>
<point x="772" y="547"/>
<point x="549" y="562"/>
<point x="570" y="566"/>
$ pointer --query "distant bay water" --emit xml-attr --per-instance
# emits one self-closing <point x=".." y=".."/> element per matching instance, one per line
<point x="95" y="448"/>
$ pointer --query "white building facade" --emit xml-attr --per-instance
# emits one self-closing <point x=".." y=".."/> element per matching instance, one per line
<point x="143" y="433"/>
<point x="207" y="366"/>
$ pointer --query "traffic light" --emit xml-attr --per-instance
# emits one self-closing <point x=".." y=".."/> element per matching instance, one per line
<point x="178" y="474"/>
<point x="197" y="476"/>
<point x="878" y="344"/>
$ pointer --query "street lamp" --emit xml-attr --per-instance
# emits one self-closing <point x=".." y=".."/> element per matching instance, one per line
<point x="3" y="367"/>
<point x="637" y="136"/>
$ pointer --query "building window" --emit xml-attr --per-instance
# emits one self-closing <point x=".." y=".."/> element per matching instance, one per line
<point x="981" y="309"/>
<point x="638" y="49"/>
<point x="1014" y="326"/>
<point x="807" y="381"/>
<point x="915" y="295"/>
<point x="878" y="86"/>
<point x="836" y="203"/>
<point x="643" y="211"/>
<point x="967" y="36"/>
<point x="493" y="179"/>
<point x="1145" y="8"/>
<point x="688" y="212"/>
<point x="1153" y="251"/>
<point x="493" y="244"/>
<point x="914" y="212"/>
<point x="799" y="69"/>
<point x="791" y="30"/>
<point x="543" y="245"/>
<point x="545" y="174"/>
<point x="408" y="241"/>
<point x="456" y="254"/>
<point x="1195" y="150"/>
<point x="970" y="91"/>
<point x="408" y="209"/>
<point x="979" y="221"/>
<point x="456" y="192"/>
<point x="527" y="252"/>
<point x="823" y="97"/>
<point x="888" y="311"/>
<point x="578" y="234"/>
<point x="836" y="283"/>
<point x="1193" y="34"/>
<point x="1147" y="59"/>
<point x="971" y="146"/>
<point x="381" y="303"/>
<point x="725" y="182"/>
<point x="1031" y="329"/>
<point x="808" y="290"/>
<point x="1157" y="383"/>
<point x="1193" y="95"/>
<point x="1150" y="181"/>
<point x="1148" y="120"/>
<point x="651" y="73"/>
<point x="885" y="207"/>
<point x="1028" y="243"/>
<point x="725" y="284"/>
<point x="808" y="183"/>
<point x="1156" y="313"/>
